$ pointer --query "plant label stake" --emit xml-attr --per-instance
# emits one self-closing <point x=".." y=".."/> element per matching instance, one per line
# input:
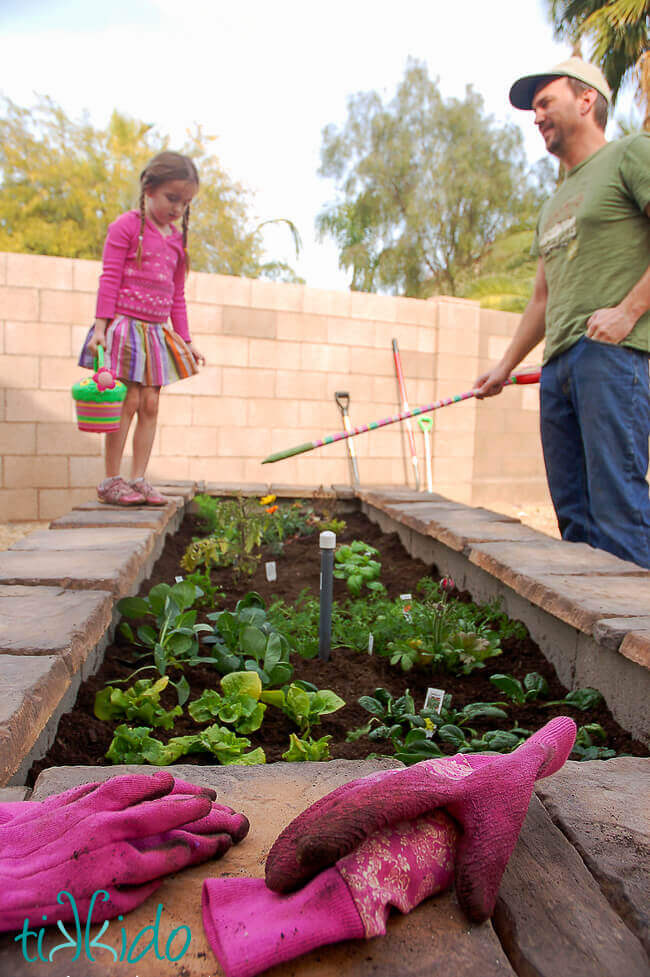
<point x="530" y="375"/>
<point x="271" y="571"/>
<point x="342" y="398"/>
<point x="401" y="383"/>
<point x="426" y="424"/>
<point x="327" y="543"/>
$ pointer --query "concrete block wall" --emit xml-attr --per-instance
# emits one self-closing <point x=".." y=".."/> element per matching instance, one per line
<point x="276" y="353"/>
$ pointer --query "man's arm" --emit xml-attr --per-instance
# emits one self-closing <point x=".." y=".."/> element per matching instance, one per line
<point x="530" y="332"/>
<point x="613" y="325"/>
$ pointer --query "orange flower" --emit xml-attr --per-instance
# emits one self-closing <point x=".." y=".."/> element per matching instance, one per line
<point x="271" y="509"/>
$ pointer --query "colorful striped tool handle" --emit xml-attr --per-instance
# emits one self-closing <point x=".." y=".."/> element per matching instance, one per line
<point x="530" y="375"/>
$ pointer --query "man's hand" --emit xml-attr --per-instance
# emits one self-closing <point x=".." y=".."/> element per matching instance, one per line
<point x="490" y="384"/>
<point x="609" y="325"/>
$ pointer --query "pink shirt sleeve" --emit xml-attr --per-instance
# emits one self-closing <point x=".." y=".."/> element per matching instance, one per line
<point x="116" y="249"/>
<point x="179" y="308"/>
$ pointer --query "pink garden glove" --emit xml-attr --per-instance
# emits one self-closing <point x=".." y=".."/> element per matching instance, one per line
<point x="251" y="928"/>
<point x="123" y="836"/>
<point x="487" y="795"/>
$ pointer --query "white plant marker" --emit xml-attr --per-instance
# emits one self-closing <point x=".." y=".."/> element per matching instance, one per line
<point x="270" y="569"/>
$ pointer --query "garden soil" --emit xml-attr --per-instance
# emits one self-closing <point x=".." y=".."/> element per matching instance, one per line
<point x="84" y="739"/>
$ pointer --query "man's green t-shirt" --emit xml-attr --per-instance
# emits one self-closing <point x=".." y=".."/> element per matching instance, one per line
<point x="594" y="237"/>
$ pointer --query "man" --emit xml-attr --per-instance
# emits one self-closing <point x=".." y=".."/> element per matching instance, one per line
<point x="591" y="301"/>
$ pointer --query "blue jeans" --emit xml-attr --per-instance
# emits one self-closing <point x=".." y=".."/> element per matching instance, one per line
<point x="595" y="422"/>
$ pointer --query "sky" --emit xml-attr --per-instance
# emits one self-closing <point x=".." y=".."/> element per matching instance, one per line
<point x="265" y="78"/>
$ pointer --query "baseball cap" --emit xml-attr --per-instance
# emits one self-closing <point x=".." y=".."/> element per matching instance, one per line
<point x="523" y="90"/>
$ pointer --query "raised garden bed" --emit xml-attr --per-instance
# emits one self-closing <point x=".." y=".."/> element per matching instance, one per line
<point x="84" y="739"/>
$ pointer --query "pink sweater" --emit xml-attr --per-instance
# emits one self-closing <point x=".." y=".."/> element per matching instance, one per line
<point x="155" y="291"/>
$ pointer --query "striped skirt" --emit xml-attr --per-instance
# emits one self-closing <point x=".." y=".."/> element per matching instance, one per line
<point x="150" y="353"/>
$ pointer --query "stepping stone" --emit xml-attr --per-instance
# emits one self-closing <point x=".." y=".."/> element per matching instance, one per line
<point x="552" y="917"/>
<point x="603" y="808"/>
<point x="12" y="794"/>
<point x="434" y="938"/>
<point x="630" y="636"/>
<point x="102" y="538"/>
<point x="31" y="690"/>
<point x="511" y="561"/>
<point x="118" y="570"/>
<point x="458" y="527"/>
<point x="53" y="621"/>
<point x="98" y="516"/>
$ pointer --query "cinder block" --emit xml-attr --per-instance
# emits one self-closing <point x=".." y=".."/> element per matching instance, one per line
<point x="237" y="382"/>
<point x="59" y="372"/>
<point x="204" y="319"/>
<point x="85" y="275"/>
<point x="177" y="410"/>
<point x="271" y="413"/>
<point x="252" y="323"/>
<point x="231" y="444"/>
<point x="406" y="336"/>
<point x="18" y="439"/>
<point x="39" y="405"/>
<point x="199" y="442"/>
<point x="218" y="289"/>
<point x="449" y="470"/>
<point x="71" y="307"/>
<point x="18" y="371"/>
<point x="220" y="411"/>
<point x="409" y="310"/>
<point x="85" y="472"/>
<point x="417" y="365"/>
<point x="19" y="303"/>
<point x="276" y="295"/>
<point x="427" y="341"/>
<point x="274" y="355"/>
<point x="367" y="305"/>
<point x="530" y="398"/>
<point x="372" y="362"/>
<point x="163" y="469"/>
<point x="41" y="271"/>
<point x="207" y="382"/>
<point x="228" y="350"/>
<point x="385" y="392"/>
<point x="326" y="302"/>
<point x="301" y="326"/>
<point x="205" y="469"/>
<point x="3" y="267"/>
<point x="65" y="439"/>
<point x="37" y="338"/>
<point x="350" y="332"/>
<point x="300" y="386"/>
<point x="319" y="417"/>
<point x="324" y="358"/>
<point x="53" y="503"/>
<point x="29" y="472"/>
<point x="18" y="504"/>
<point x="497" y="345"/>
<point x="359" y="386"/>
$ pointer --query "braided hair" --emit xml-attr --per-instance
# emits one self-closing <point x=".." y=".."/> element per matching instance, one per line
<point x="164" y="167"/>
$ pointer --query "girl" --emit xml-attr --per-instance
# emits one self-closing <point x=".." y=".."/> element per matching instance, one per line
<point x="144" y="265"/>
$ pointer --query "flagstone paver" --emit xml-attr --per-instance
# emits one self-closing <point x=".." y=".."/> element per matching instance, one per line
<point x="603" y="808"/>
<point x="119" y="570"/>
<point x="93" y="515"/>
<point x="436" y="938"/>
<point x="32" y="689"/>
<point x="53" y="621"/>
<point x="552" y="917"/>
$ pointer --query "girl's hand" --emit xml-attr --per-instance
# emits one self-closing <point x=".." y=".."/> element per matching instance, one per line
<point x="98" y="338"/>
<point x="196" y="353"/>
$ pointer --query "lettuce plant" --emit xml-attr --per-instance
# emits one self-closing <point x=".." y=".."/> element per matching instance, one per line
<point x="135" y="745"/>
<point x="308" y="749"/>
<point x="140" y="702"/>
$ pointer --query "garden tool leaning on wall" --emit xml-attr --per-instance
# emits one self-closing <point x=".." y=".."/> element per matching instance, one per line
<point x="342" y="398"/>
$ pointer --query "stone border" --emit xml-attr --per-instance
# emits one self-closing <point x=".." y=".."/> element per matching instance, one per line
<point x="588" y="611"/>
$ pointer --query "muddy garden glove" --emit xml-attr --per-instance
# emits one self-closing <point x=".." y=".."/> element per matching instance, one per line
<point x="487" y="796"/>
<point x="251" y="928"/>
<point x="123" y="836"/>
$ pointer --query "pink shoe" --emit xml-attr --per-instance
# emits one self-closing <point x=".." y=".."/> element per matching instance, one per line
<point x="115" y="491"/>
<point x="148" y="492"/>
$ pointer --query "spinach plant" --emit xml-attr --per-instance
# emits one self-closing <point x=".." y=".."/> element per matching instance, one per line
<point x="586" y="745"/>
<point x="534" y="686"/>
<point x="355" y="564"/>
<point x="244" y="640"/>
